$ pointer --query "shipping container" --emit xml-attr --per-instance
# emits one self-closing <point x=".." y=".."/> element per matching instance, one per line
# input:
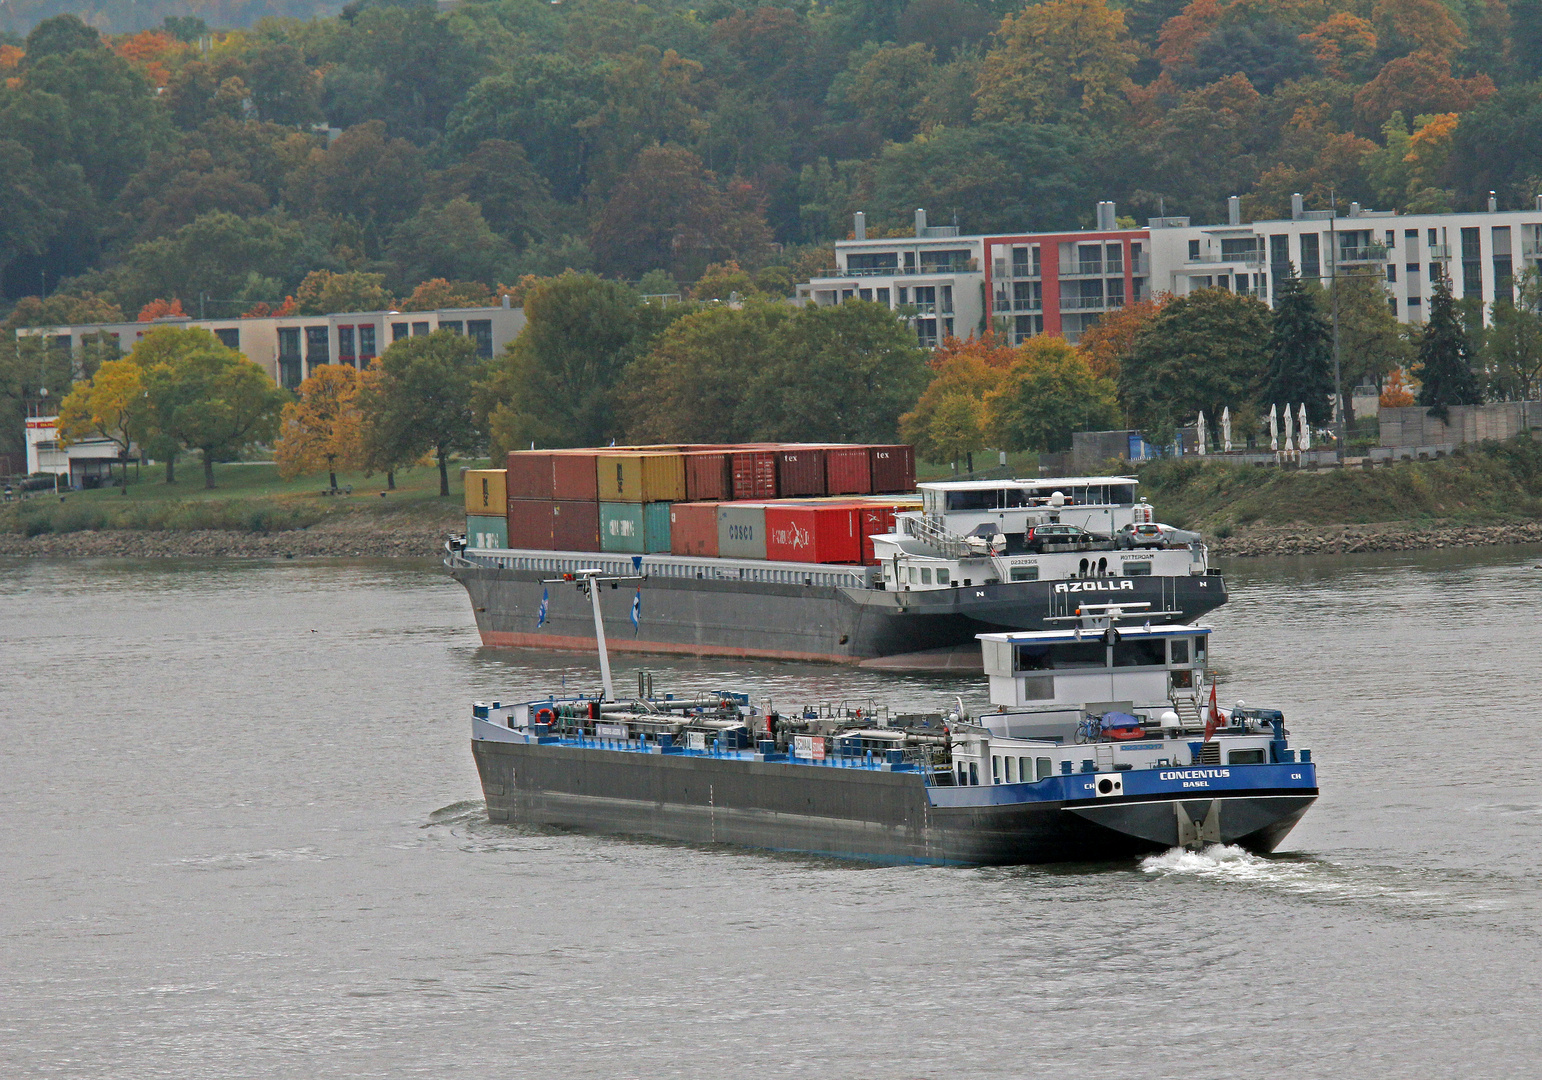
<point x="487" y="531"/>
<point x="634" y="528"/>
<point x="741" y="530"/>
<point x="693" y="529"/>
<point x="486" y="492"/>
<point x="800" y="472"/>
<point x="828" y="533"/>
<point x="878" y="519"/>
<point x="641" y="477"/>
<point x="709" y="476"/>
<point x="848" y="470"/>
<point x="573" y="477"/>
<point x="529" y="524"/>
<point x="528" y="475"/>
<point x="575" y="526"/>
<point x="893" y="469"/>
<point x="754" y="474"/>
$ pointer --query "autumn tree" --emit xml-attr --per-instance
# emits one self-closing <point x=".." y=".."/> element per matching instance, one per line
<point x="436" y="293"/>
<point x="947" y="421"/>
<point x="1057" y="61"/>
<point x="1108" y="341"/>
<point x="1047" y="395"/>
<point x="421" y="402"/>
<point x="323" y="292"/>
<point x="323" y="428"/>
<point x="1445" y="358"/>
<point x="110" y="405"/>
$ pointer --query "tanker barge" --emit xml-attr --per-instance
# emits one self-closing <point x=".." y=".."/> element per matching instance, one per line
<point x="1051" y="776"/>
<point x="976" y="557"/>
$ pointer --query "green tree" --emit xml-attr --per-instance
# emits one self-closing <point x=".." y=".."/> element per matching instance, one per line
<point x="60" y="35"/>
<point x="1372" y="343"/>
<point x="1058" y="60"/>
<point x="421" y="402"/>
<point x="514" y="199"/>
<point x="207" y="397"/>
<point x="1300" y="352"/>
<point x="449" y="240"/>
<point x="947" y="421"/>
<point x="1512" y="349"/>
<point x="1445" y="358"/>
<point x="1046" y="395"/>
<point x="323" y="292"/>
<point x="1208" y="350"/>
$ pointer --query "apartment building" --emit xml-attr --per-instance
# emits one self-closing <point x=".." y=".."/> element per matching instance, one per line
<point x="1061" y="283"/>
<point x="291" y="347"/>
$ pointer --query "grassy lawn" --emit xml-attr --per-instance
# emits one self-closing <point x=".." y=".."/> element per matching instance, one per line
<point x="250" y="497"/>
<point x="1019" y="466"/>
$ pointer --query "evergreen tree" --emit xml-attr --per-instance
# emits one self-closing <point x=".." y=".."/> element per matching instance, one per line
<point x="1300" y="353"/>
<point x="1445" y="358"/>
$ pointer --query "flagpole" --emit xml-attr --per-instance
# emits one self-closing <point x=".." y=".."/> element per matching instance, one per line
<point x="599" y="637"/>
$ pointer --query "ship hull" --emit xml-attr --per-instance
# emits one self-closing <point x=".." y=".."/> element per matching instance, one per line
<point x="858" y="813"/>
<point x="790" y="621"/>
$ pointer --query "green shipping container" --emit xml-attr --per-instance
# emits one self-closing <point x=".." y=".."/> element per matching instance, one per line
<point x="483" y="531"/>
<point x="634" y="528"/>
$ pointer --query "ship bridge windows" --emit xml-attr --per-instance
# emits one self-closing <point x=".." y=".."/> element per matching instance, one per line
<point x="1179" y="648"/>
<point x="1061" y="656"/>
<point x="1140" y="652"/>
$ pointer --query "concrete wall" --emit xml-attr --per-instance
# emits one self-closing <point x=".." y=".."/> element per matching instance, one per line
<point x="1413" y="426"/>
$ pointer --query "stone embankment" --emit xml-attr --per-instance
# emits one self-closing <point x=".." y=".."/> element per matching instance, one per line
<point x="350" y="537"/>
<point x="1392" y="536"/>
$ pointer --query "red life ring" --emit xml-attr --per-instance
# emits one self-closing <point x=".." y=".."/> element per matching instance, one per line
<point x="545" y="716"/>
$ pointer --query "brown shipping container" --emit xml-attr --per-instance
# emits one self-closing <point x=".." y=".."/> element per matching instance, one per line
<point x="693" y="529"/>
<point x="754" y="474"/>
<point x="894" y="469"/>
<point x="640" y="477"/>
<point x="709" y="477"/>
<point x="527" y="475"/>
<point x="573" y="478"/>
<point x="848" y="470"/>
<point x="530" y="524"/>
<point x="800" y="472"/>
<point x="576" y="526"/>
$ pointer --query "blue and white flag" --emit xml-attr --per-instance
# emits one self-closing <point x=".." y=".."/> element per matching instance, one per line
<point x="540" y="619"/>
<point x="636" y="609"/>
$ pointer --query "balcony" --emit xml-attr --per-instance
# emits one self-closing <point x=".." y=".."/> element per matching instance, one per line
<point x="1084" y="268"/>
<point x="1090" y="303"/>
<point x="1531" y="249"/>
<point x="836" y="273"/>
<point x="1440" y="251"/>
<point x="1002" y="270"/>
<point x="1241" y="258"/>
<point x="925" y="309"/>
<point x="1003" y="304"/>
<point x="1369" y="254"/>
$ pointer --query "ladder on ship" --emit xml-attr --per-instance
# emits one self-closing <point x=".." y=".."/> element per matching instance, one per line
<point x="1187" y="708"/>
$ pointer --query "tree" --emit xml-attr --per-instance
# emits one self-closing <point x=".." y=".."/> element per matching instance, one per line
<point x="323" y="292"/>
<point x="948" y="419"/>
<point x="422" y="400"/>
<point x="1056" y="61"/>
<point x="1300" y="352"/>
<point x="219" y="254"/>
<point x="1445" y="362"/>
<point x="445" y="240"/>
<point x="206" y="397"/>
<point x="1048" y="394"/>
<point x="436" y="293"/>
<point x="363" y="174"/>
<point x="724" y="281"/>
<point x="1268" y="53"/>
<point x="61" y="309"/>
<point x="324" y="428"/>
<point x="1108" y="341"/>
<point x="514" y="198"/>
<point x="1418" y="84"/>
<point x="1371" y="340"/>
<point x="59" y="35"/>
<point x="1207" y="350"/>
<point x="886" y="88"/>
<point x="1512" y="349"/>
<point x="1408" y="26"/>
<point x="110" y="405"/>
<point x="1344" y="45"/>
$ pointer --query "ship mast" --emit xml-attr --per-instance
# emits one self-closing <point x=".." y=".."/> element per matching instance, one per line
<point x="588" y="581"/>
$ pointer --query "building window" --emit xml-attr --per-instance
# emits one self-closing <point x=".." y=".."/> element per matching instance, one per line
<point x="1414" y="301"/>
<point x="1113" y="260"/>
<point x="1392" y="272"/>
<point x="845" y="295"/>
<point x="1197" y="283"/>
<point x="481" y="332"/>
<point x="1223" y="281"/>
<point x="1116" y="292"/>
<point x="1392" y="303"/>
<point x="1432" y="238"/>
<point x="882" y="296"/>
<point x="1413" y="270"/>
<point x="1434" y="272"/>
<point x="1391" y="238"/>
<point x="1311" y="267"/>
<point x="398" y="331"/>
<point x="947" y="327"/>
<point x="1020" y="262"/>
<point x="926" y="299"/>
<point x="946" y="299"/>
<point x="366" y="342"/>
<point x="230" y="337"/>
<point x="451" y="324"/>
<point x="1412" y="236"/>
<point x="1137" y="289"/>
<point x="926" y="333"/>
<point x="1504" y="271"/>
<point x="345" y="351"/>
<point x="420" y="329"/>
<point x="289" y="357"/>
<point x="1472" y="264"/>
<point x="904" y="295"/>
<point x="317" y="346"/>
<point x="1193" y="251"/>
<point x="884" y="260"/>
<point x="864" y="294"/>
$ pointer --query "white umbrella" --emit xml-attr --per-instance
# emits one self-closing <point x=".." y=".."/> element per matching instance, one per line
<point x="1200" y="432"/>
<point x="1290" y="431"/>
<point x="1226" y="427"/>
<point x="1306" y="430"/>
<point x="1274" y="428"/>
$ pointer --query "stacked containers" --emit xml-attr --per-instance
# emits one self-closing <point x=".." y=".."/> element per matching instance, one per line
<point x="709" y="476"/>
<point x="814" y="532"/>
<point x="741" y="531"/>
<point x="800" y="471"/>
<point x="754" y="473"/>
<point x="486" y="508"/>
<point x="693" y="528"/>
<point x="848" y="470"/>
<point x="551" y="500"/>
<point x="893" y="468"/>
<point x="634" y="528"/>
<point x="636" y="489"/>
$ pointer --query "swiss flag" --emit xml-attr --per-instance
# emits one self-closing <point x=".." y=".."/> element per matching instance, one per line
<point x="1214" y="719"/>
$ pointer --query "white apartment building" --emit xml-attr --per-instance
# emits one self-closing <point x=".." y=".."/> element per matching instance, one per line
<point x="291" y="347"/>
<point x="1063" y="282"/>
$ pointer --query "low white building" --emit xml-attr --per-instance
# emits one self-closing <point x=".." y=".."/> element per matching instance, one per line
<point x="84" y="463"/>
<point x="291" y="347"/>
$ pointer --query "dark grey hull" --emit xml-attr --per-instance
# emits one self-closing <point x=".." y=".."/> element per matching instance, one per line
<point x="885" y="817"/>
<point x="707" y="617"/>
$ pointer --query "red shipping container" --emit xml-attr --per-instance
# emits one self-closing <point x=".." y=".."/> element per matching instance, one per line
<point x="574" y="479"/>
<point x="709" y="477"/>
<point x="814" y="533"/>
<point x="575" y="526"/>
<point x="693" y="529"/>
<point x="754" y="474"/>
<point x="800" y="472"/>
<point x="848" y="470"/>
<point x="530" y="524"/>
<point x="528" y="475"/>
<point x="893" y="469"/>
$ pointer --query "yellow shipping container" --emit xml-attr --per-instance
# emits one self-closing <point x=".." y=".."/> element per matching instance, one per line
<point x="487" y="492"/>
<point x="641" y="477"/>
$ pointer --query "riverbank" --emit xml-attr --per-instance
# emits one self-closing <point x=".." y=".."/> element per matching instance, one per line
<point x="1266" y="541"/>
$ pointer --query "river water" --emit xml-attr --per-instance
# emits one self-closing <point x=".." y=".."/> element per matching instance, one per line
<point x="241" y="836"/>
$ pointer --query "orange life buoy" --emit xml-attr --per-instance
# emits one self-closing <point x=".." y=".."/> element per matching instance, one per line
<point x="545" y="716"/>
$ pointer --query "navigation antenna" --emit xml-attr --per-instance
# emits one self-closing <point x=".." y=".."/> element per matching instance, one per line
<point x="588" y="581"/>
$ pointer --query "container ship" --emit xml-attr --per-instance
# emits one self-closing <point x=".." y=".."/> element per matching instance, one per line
<point x="829" y="553"/>
<point x="1100" y="745"/>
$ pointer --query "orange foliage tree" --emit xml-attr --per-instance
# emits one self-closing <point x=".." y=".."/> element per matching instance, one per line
<point x="324" y="428"/>
<point x="162" y="309"/>
<point x="438" y="293"/>
<point x="989" y="349"/>
<point x="1110" y="339"/>
<point x="264" y="310"/>
<point x="1395" y="393"/>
